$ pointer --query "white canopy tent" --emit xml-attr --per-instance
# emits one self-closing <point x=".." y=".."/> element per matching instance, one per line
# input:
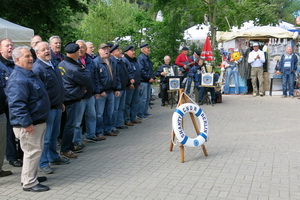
<point x="20" y="35"/>
<point x="256" y="31"/>
<point x="196" y="33"/>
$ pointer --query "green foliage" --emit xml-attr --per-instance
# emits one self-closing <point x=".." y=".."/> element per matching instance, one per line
<point x="47" y="18"/>
<point x="113" y="21"/>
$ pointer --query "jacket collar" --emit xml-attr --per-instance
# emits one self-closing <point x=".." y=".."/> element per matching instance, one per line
<point x="28" y="73"/>
<point x="6" y="62"/>
<point x="130" y="59"/>
<point x="71" y="60"/>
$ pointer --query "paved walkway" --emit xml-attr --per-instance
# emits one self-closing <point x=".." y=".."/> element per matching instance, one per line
<point x="253" y="148"/>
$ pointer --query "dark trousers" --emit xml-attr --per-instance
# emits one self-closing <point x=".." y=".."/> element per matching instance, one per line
<point x="13" y="148"/>
<point x="68" y="134"/>
<point x="164" y="92"/>
<point x="202" y="91"/>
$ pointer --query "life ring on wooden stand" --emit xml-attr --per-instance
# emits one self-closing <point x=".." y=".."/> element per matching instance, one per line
<point x="177" y="125"/>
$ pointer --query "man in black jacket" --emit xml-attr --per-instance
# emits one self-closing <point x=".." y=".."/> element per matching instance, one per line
<point x="76" y="81"/>
<point x="52" y="80"/>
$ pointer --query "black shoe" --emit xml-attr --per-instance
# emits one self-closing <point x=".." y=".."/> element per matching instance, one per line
<point x="200" y="103"/>
<point x="151" y="104"/>
<point x="16" y="163"/>
<point x="122" y="127"/>
<point x="213" y="101"/>
<point x="39" y="179"/>
<point x="163" y="104"/>
<point x="5" y="173"/>
<point x="42" y="179"/>
<point x="37" y="188"/>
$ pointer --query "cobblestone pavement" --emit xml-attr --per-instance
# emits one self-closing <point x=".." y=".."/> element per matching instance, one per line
<point x="253" y="148"/>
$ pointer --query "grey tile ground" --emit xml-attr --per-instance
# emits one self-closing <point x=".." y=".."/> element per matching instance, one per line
<point x="253" y="148"/>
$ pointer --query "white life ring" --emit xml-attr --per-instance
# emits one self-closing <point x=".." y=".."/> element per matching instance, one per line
<point x="177" y="125"/>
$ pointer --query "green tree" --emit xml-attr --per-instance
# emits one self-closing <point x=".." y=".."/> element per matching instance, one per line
<point x="46" y="18"/>
<point x="113" y="20"/>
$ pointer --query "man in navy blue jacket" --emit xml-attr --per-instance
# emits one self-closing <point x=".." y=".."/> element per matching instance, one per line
<point x="55" y="45"/>
<point x="13" y="154"/>
<point x="147" y="77"/>
<point x="76" y="80"/>
<point x="29" y="106"/>
<point x="52" y="80"/>
<point x="87" y="104"/>
<point x="119" y="107"/>
<point x="2" y="129"/>
<point x="288" y="67"/>
<point x="109" y="86"/>
<point x="132" y="101"/>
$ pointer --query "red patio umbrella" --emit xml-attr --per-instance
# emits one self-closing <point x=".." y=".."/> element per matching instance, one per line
<point x="206" y="53"/>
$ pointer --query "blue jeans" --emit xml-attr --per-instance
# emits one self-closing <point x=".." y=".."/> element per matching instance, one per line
<point x="288" y="79"/>
<point x="104" y="113"/>
<point x="87" y="109"/>
<point x="145" y="99"/>
<point x="132" y="103"/>
<point x="231" y="70"/>
<point x="119" y="109"/>
<point x="67" y="137"/>
<point x="189" y="84"/>
<point x="50" y="138"/>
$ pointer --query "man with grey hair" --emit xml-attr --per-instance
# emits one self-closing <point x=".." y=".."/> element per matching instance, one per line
<point x="13" y="154"/>
<point x="87" y="104"/>
<point x="52" y="80"/>
<point x="29" y="106"/>
<point x="90" y="49"/>
<point x="34" y="40"/>
<point x="163" y="71"/>
<point x="55" y="45"/>
<point x="288" y="67"/>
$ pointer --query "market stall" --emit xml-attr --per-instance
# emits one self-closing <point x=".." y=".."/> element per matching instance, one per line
<point x="272" y="40"/>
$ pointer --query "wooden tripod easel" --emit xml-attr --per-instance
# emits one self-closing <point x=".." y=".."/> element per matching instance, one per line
<point x="183" y="100"/>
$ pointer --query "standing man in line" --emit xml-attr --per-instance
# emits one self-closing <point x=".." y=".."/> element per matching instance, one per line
<point x="55" y="45"/>
<point x="110" y="85"/>
<point x="288" y="67"/>
<point x="76" y="81"/>
<point x="256" y="59"/>
<point x="34" y="40"/>
<point x="147" y="77"/>
<point x="2" y="129"/>
<point x="132" y="101"/>
<point x="29" y="106"/>
<point x="87" y="104"/>
<point x="119" y="106"/>
<point x="90" y="49"/>
<point x="52" y="80"/>
<point x="14" y="153"/>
